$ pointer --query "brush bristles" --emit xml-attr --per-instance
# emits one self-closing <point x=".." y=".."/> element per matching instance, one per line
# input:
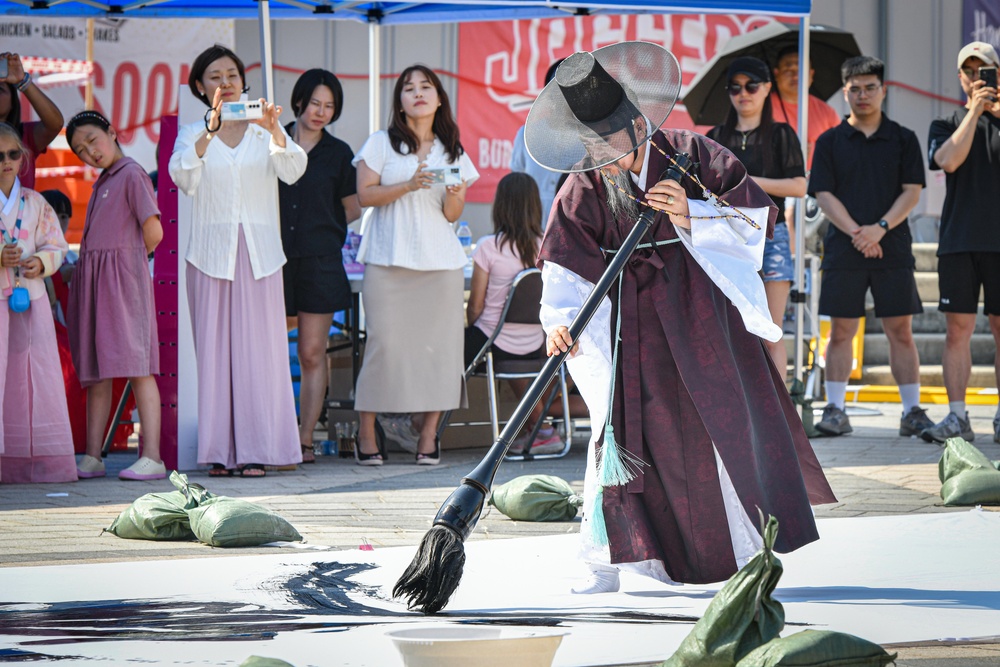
<point x="434" y="573"/>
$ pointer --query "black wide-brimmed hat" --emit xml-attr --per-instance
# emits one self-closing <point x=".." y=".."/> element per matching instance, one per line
<point x="585" y="117"/>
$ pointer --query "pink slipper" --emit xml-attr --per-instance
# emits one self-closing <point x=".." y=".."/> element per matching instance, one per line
<point x="143" y="470"/>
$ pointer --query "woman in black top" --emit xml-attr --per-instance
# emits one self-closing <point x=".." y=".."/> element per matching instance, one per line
<point x="773" y="157"/>
<point x="315" y="212"/>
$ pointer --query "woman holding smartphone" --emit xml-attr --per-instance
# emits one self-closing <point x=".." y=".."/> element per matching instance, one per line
<point x="414" y="282"/>
<point x="246" y="409"/>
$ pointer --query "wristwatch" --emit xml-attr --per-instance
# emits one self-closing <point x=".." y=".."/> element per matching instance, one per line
<point x="883" y="224"/>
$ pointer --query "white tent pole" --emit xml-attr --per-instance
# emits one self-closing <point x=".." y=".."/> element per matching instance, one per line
<point x="374" y="77"/>
<point x="264" y="17"/>
<point x="800" y="245"/>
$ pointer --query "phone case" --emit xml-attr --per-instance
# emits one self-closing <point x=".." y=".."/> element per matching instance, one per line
<point x="242" y="110"/>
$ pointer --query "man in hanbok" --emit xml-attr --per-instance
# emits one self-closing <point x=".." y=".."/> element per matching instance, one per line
<point x="694" y="432"/>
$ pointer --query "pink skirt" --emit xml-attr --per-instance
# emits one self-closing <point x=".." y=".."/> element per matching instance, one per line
<point x="246" y="408"/>
<point x="36" y="444"/>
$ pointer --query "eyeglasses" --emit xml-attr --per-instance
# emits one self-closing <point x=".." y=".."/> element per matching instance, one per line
<point x="970" y="73"/>
<point x="870" y="89"/>
<point x="751" y="87"/>
<point x="13" y="155"/>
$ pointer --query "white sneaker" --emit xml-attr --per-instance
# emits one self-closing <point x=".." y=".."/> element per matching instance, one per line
<point x="144" y="469"/>
<point x="89" y="467"/>
<point x="602" y="579"/>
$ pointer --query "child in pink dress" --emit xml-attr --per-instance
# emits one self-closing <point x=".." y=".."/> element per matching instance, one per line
<point x="35" y="440"/>
<point x="111" y="318"/>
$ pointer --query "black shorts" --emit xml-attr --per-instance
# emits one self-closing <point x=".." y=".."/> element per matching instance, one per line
<point x="475" y="339"/>
<point x="842" y="293"/>
<point x="316" y="285"/>
<point x="960" y="277"/>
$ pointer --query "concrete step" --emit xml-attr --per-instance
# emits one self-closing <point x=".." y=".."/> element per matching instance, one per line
<point x="925" y="255"/>
<point x="927" y="285"/>
<point x="929" y="321"/>
<point x="930" y="347"/>
<point x="930" y="376"/>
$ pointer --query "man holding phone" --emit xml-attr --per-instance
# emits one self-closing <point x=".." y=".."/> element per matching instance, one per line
<point x="966" y="145"/>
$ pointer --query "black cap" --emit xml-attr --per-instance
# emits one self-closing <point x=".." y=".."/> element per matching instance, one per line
<point x="752" y="67"/>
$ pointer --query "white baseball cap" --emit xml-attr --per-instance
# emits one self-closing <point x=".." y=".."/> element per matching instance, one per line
<point x="981" y="50"/>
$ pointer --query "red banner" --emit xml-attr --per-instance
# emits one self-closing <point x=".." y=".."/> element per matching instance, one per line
<point x="502" y="68"/>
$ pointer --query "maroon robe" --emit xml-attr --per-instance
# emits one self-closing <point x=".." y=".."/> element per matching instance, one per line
<point x="689" y="375"/>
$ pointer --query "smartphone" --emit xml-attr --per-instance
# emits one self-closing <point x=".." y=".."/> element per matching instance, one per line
<point x="249" y="110"/>
<point x="445" y="176"/>
<point x="4" y="72"/>
<point x="988" y="75"/>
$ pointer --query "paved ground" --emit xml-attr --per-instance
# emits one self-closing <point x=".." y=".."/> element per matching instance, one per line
<point x="873" y="471"/>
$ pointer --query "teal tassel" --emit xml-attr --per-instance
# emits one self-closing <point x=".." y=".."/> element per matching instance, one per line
<point x="598" y="528"/>
<point x="614" y="465"/>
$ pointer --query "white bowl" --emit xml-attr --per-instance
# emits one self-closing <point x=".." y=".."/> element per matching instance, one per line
<point x="477" y="646"/>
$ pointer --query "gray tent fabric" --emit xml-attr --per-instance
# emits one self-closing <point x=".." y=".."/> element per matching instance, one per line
<point x="967" y="476"/>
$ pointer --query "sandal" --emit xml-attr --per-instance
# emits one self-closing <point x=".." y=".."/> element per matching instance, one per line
<point x="308" y="455"/>
<point x="432" y="458"/>
<point x="219" y="470"/>
<point x="252" y="470"/>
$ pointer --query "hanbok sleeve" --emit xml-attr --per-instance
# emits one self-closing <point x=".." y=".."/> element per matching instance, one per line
<point x="289" y="161"/>
<point x="50" y="244"/>
<point x="185" y="165"/>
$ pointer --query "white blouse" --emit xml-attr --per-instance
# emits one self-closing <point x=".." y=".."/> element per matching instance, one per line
<point x="412" y="231"/>
<point x="233" y="187"/>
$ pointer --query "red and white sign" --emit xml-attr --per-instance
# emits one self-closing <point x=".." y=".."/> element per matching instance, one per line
<point x="137" y="67"/>
<point x="502" y="69"/>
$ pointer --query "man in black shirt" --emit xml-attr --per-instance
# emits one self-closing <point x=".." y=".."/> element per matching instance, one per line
<point x="867" y="174"/>
<point x="966" y="145"/>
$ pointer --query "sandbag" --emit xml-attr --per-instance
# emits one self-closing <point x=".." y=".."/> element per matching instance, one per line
<point x="818" y="648"/>
<point x="258" y="661"/>
<point x="967" y="476"/>
<point x="231" y="522"/>
<point x="161" y="516"/>
<point x="537" y="498"/>
<point x="741" y="617"/>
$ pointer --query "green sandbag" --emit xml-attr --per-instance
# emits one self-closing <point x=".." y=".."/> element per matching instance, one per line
<point x="818" y="648"/>
<point x="231" y="522"/>
<point x="741" y="616"/>
<point x="537" y="498"/>
<point x="257" y="661"/>
<point x="967" y="476"/>
<point x="161" y="516"/>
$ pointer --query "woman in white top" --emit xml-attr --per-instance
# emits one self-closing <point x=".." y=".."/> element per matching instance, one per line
<point x="413" y="287"/>
<point x="246" y="408"/>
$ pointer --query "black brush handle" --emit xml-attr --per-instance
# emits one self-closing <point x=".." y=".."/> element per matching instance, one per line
<point x="461" y="511"/>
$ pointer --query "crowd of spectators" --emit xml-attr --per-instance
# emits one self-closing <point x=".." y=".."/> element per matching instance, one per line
<point x="271" y="208"/>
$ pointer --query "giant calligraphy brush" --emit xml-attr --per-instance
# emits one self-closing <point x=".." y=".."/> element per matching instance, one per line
<point x="436" y="569"/>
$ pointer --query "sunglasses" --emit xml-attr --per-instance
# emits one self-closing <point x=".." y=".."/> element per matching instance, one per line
<point x="751" y="87"/>
<point x="13" y="155"/>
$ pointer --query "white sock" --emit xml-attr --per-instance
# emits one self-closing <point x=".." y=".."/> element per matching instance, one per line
<point x="836" y="393"/>
<point x="909" y="394"/>
<point x="958" y="407"/>
<point x="602" y="579"/>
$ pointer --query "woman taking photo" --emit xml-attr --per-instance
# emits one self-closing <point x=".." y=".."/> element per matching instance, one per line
<point x="773" y="158"/>
<point x="246" y="409"/>
<point x="413" y="287"/>
<point x="315" y="212"/>
<point x="36" y="135"/>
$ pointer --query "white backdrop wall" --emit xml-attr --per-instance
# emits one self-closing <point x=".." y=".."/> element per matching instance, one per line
<point x="918" y="39"/>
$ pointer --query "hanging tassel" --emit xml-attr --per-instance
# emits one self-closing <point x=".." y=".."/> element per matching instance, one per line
<point x="615" y="465"/>
<point x="598" y="528"/>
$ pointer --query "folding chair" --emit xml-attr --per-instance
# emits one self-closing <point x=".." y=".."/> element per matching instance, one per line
<point x="521" y="307"/>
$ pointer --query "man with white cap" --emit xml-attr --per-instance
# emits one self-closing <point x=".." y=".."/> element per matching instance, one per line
<point x="966" y="145"/>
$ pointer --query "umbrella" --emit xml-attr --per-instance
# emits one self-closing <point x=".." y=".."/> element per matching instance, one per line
<point x="707" y="101"/>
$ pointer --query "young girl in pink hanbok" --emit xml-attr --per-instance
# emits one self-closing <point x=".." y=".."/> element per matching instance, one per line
<point x="111" y="319"/>
<point x="35" y="440"/>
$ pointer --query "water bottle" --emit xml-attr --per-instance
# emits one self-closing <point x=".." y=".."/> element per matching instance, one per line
<point x="465" y="238"/>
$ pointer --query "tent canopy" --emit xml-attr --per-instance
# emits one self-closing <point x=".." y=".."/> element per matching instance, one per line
<point x="393" y="13"/>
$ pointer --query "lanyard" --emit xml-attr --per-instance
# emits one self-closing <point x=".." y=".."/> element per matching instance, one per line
<point x="8" y="238"/>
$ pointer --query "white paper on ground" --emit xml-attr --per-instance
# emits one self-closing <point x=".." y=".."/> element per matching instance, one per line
<point x="887" y="579"/>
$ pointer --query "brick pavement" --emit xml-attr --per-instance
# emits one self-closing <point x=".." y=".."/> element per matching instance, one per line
<point x="873" y="471"/>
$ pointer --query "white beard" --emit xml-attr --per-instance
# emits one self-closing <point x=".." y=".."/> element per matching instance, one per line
<point x="622" y="206"/>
